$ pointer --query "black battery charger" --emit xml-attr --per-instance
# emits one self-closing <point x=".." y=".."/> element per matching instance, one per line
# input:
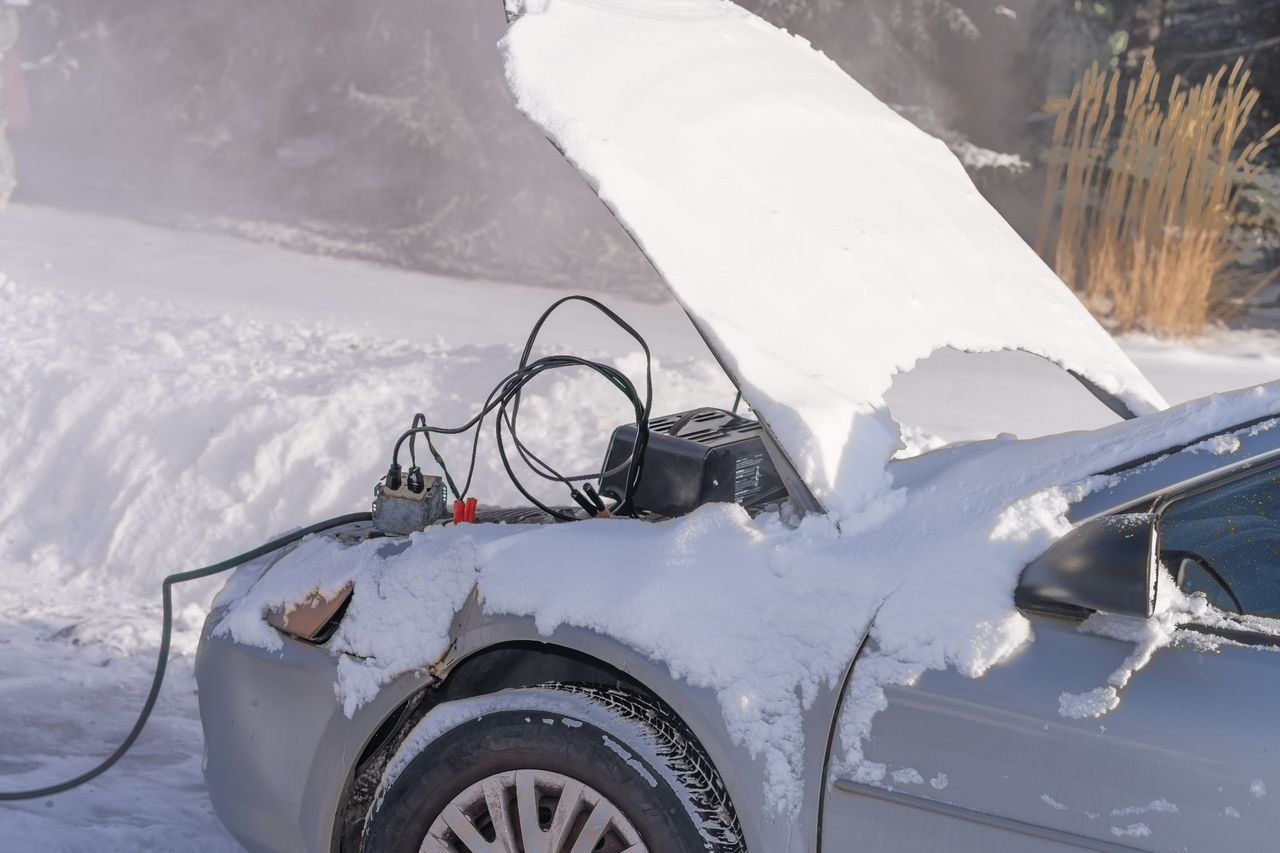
<point x="696" y="457"/>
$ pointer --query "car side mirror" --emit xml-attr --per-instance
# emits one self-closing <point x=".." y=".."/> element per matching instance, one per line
<point x="1105" y="564"/>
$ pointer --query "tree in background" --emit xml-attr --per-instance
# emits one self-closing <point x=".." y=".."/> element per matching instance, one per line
<point x="381" y="130"/>
<point x="1193" y="38"/>
<point x="384" y="129"/>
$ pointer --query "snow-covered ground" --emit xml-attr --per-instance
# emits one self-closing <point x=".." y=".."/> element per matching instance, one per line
<point x="169" y="398"/>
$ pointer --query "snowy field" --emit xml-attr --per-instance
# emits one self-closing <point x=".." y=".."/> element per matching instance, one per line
<point x="171" y="398"/>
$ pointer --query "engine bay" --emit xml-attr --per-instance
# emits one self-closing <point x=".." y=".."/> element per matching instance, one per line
<point x="654" y="468"/>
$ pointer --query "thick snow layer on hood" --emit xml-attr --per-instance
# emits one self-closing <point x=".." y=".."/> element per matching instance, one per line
<point x="821" y="242"/>
<point x="762" y="613"/>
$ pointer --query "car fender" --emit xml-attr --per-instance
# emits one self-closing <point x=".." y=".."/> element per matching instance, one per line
<point x="475" y="632"/>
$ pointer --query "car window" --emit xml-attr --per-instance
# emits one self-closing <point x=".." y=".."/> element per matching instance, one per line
<point x="1225" y="543"/>
<point x="956" y="396"/>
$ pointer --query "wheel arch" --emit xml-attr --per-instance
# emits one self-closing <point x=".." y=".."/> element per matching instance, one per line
<point x="506" y="652"/>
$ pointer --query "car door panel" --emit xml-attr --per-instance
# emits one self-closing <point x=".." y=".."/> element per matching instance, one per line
<point x="1183" y="763"/>
<point x="865" y="817"/>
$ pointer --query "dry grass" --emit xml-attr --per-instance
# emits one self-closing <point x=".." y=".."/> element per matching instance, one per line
<point x="1147" y="194"/>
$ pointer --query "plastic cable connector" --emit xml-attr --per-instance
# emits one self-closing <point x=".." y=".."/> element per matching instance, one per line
<point x="594" y="496"/>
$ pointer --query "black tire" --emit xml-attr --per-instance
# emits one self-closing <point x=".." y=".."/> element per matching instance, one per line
<point x="633" y="752"/>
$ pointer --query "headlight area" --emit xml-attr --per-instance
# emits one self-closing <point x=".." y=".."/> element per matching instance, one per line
<point x="315" y="618"/>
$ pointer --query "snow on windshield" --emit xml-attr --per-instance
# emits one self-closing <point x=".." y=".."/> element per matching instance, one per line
<point x="821" y="242"/>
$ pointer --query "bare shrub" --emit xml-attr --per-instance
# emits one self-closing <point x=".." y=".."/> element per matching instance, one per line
<point x="1147" y="195"/>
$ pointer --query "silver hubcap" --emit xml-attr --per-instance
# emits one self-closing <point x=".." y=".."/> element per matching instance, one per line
<point x="531" y="811"/>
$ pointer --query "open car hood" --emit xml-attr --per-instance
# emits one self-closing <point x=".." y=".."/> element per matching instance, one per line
<point x="820" y="242"/>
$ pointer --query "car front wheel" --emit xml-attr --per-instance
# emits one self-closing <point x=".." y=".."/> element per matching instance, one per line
<point x="553" y="769"/>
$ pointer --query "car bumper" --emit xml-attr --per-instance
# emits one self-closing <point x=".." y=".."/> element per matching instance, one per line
<point x="279" y="751"/>
<point x="265" y="715"/>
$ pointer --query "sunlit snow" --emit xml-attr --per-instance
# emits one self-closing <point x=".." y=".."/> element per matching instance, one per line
<point x="122" y="345"/>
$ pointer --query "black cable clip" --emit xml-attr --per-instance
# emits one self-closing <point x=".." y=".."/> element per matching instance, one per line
<point x="394" y="479"/>
<point x="594" y="496"/>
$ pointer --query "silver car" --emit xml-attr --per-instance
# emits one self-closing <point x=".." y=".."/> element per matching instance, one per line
<point x="573" y="740"/>
<point x="576" y="742"/>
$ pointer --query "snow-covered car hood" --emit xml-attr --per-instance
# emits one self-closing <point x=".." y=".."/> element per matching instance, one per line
<point x="821" y="243"/>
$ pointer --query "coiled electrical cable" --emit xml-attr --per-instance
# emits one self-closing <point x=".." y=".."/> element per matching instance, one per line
<point x="504" y="403"/>
<point x="162" y="661"/>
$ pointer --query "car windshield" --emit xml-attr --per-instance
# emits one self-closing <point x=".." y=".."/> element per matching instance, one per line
<point x="1225" y="543"/>
<point x="956" y="396"/>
